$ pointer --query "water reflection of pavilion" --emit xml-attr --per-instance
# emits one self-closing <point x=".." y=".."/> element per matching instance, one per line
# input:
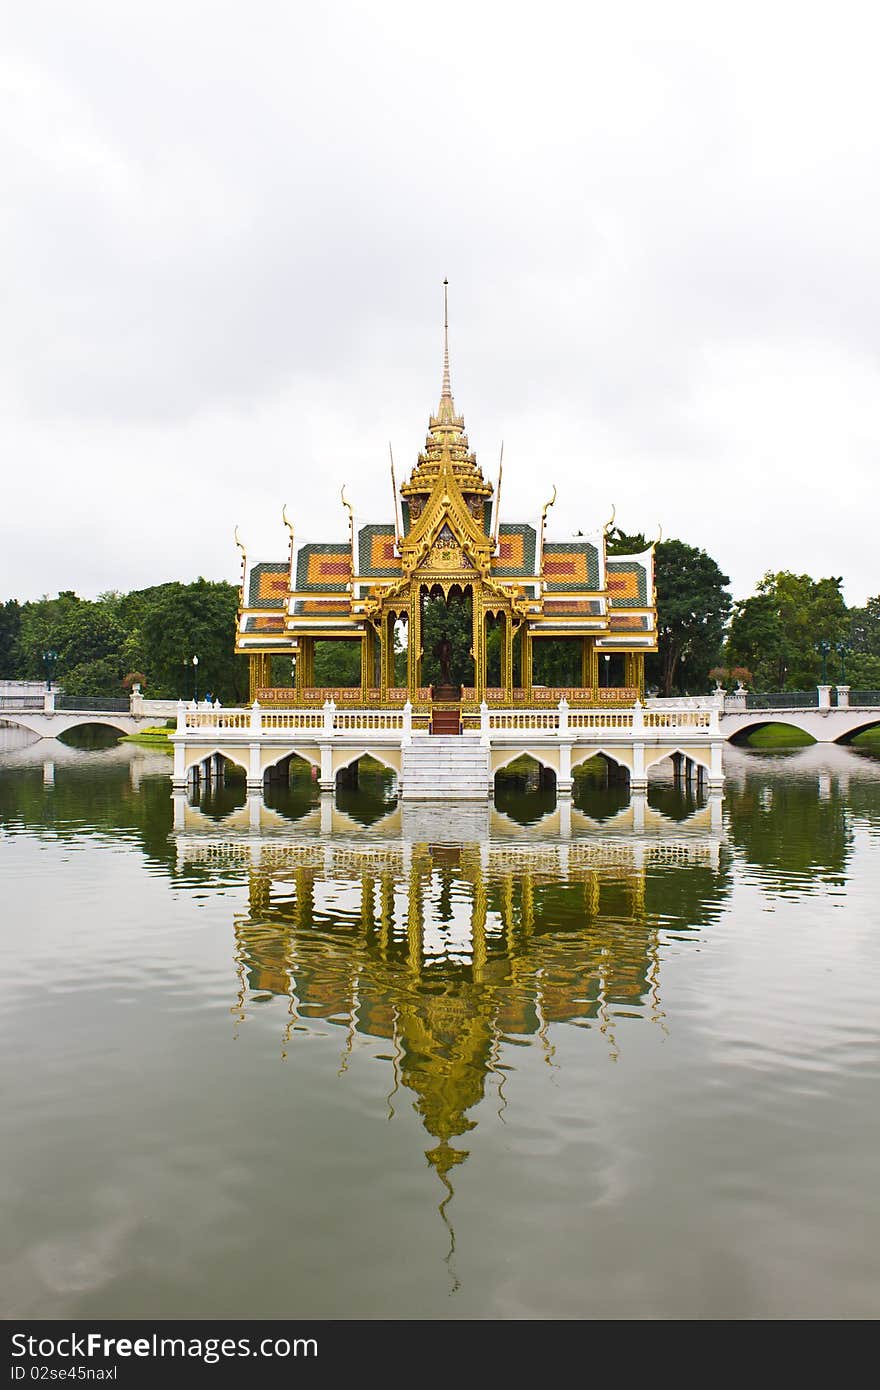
<point x="445" y="949"/>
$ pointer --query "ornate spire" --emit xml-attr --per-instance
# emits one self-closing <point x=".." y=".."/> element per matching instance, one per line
<point x="446" y="450"/>
<point x="446" y="391"/>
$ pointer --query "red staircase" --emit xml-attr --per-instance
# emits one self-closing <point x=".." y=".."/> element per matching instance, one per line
<point x="446" y="721"/>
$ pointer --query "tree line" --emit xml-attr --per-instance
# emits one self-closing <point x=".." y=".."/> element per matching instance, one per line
<point x="788" y="634"/>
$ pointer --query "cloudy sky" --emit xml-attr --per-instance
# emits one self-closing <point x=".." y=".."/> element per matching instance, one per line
<point x="225" y="229"/>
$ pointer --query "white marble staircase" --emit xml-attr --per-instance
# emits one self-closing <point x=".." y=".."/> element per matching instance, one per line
<point x="453" y="767"/>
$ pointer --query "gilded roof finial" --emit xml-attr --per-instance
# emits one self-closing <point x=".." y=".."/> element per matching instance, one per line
<point x="446" y="392"/>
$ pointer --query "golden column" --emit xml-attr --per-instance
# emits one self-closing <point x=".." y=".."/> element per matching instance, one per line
<point x="526" y="661"/>
<point x="414" y="642"/>
<point x="506" y="620"/>
<point x="386" y="668"/>
<point x="305" y="664"/>
<point x="368" y="659"/>
<point x="478" y="639"/>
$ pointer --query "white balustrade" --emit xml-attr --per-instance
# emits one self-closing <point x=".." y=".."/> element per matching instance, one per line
<point x="396" y="725"/>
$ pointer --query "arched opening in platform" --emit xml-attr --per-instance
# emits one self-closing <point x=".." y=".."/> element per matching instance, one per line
<point x="290" y="786"/>
<point x="525" y="789"/>
<point x="219" y="785"/>
<point x="366" y="788"/>
<point x="600" y="786"/>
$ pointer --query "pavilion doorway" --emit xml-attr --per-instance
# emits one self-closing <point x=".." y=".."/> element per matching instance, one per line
<point x="447" y="623"/>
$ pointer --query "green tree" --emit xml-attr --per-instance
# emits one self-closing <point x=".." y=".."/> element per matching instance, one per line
<point x="82" y="634"/>
<point x="338" y="663"/>
<point x="10" y="632"/>
<point x="180" y="621"/>
<point x="776" y="632"/>
<point x="862" y="640"/>
<point x="693" y="605"/>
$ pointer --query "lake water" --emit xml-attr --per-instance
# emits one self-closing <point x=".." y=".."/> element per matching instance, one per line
<point x="360" y="1060"/>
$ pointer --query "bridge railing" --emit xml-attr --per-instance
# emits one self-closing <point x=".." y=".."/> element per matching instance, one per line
<point x="87" y="704"/>
<point x="864" y="697"/>
<point x="783" y="699"/>
<point x="21" y="702"/>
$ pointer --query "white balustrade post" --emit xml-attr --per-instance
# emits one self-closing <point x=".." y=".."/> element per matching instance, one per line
<point x="181" y="718"/>
<point x="638" y="724"/>
<point x="256" y="725"/>
<point x="136" y="702"/>
<point x="563" y="718"/>
<point x="48" y="701"/>
<point x="484" y="724"/>
<point x="715" y="721"/>
<point x="824" y="696"/>
<point x="329" y="712"/>
<point x="843" y="697"/>
<point x="407" y="723"/>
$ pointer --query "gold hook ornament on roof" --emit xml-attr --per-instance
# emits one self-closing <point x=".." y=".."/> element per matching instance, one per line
<point x="610" y="522"/>
<point x="548" y="505"/>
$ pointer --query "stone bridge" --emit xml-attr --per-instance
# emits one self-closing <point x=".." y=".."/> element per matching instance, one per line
<point x="50" y="716"/>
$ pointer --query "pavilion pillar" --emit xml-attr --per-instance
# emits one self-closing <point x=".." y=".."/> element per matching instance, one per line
<point x="507" y="657"/>
<point x="305" y="664"/>
<point x="479" y="645"/>
<point x="254" y="675"/>
<point x="414" y="644"/>
<point x="526" y="661"/>
<point x="638" y="673"/>
<point x="387" y="680"/>
<point x="368" y="660"/>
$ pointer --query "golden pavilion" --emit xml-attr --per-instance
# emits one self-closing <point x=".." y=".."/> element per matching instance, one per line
<point x="446" y="542"/>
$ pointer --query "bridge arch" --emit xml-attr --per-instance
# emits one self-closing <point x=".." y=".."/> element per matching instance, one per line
<point x="45" y="726"/>
<point x="871" y="722"/>
<point x="791" y="721"/>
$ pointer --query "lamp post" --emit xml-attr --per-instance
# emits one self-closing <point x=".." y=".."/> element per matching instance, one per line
<point x="49" y="659"/>
<point x="195" y="680"/>
<point x="842" y="650"/>
<point x="824" y="647"/>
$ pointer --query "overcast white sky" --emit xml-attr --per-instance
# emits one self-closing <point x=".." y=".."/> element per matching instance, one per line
<point x="225" y="229"/>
